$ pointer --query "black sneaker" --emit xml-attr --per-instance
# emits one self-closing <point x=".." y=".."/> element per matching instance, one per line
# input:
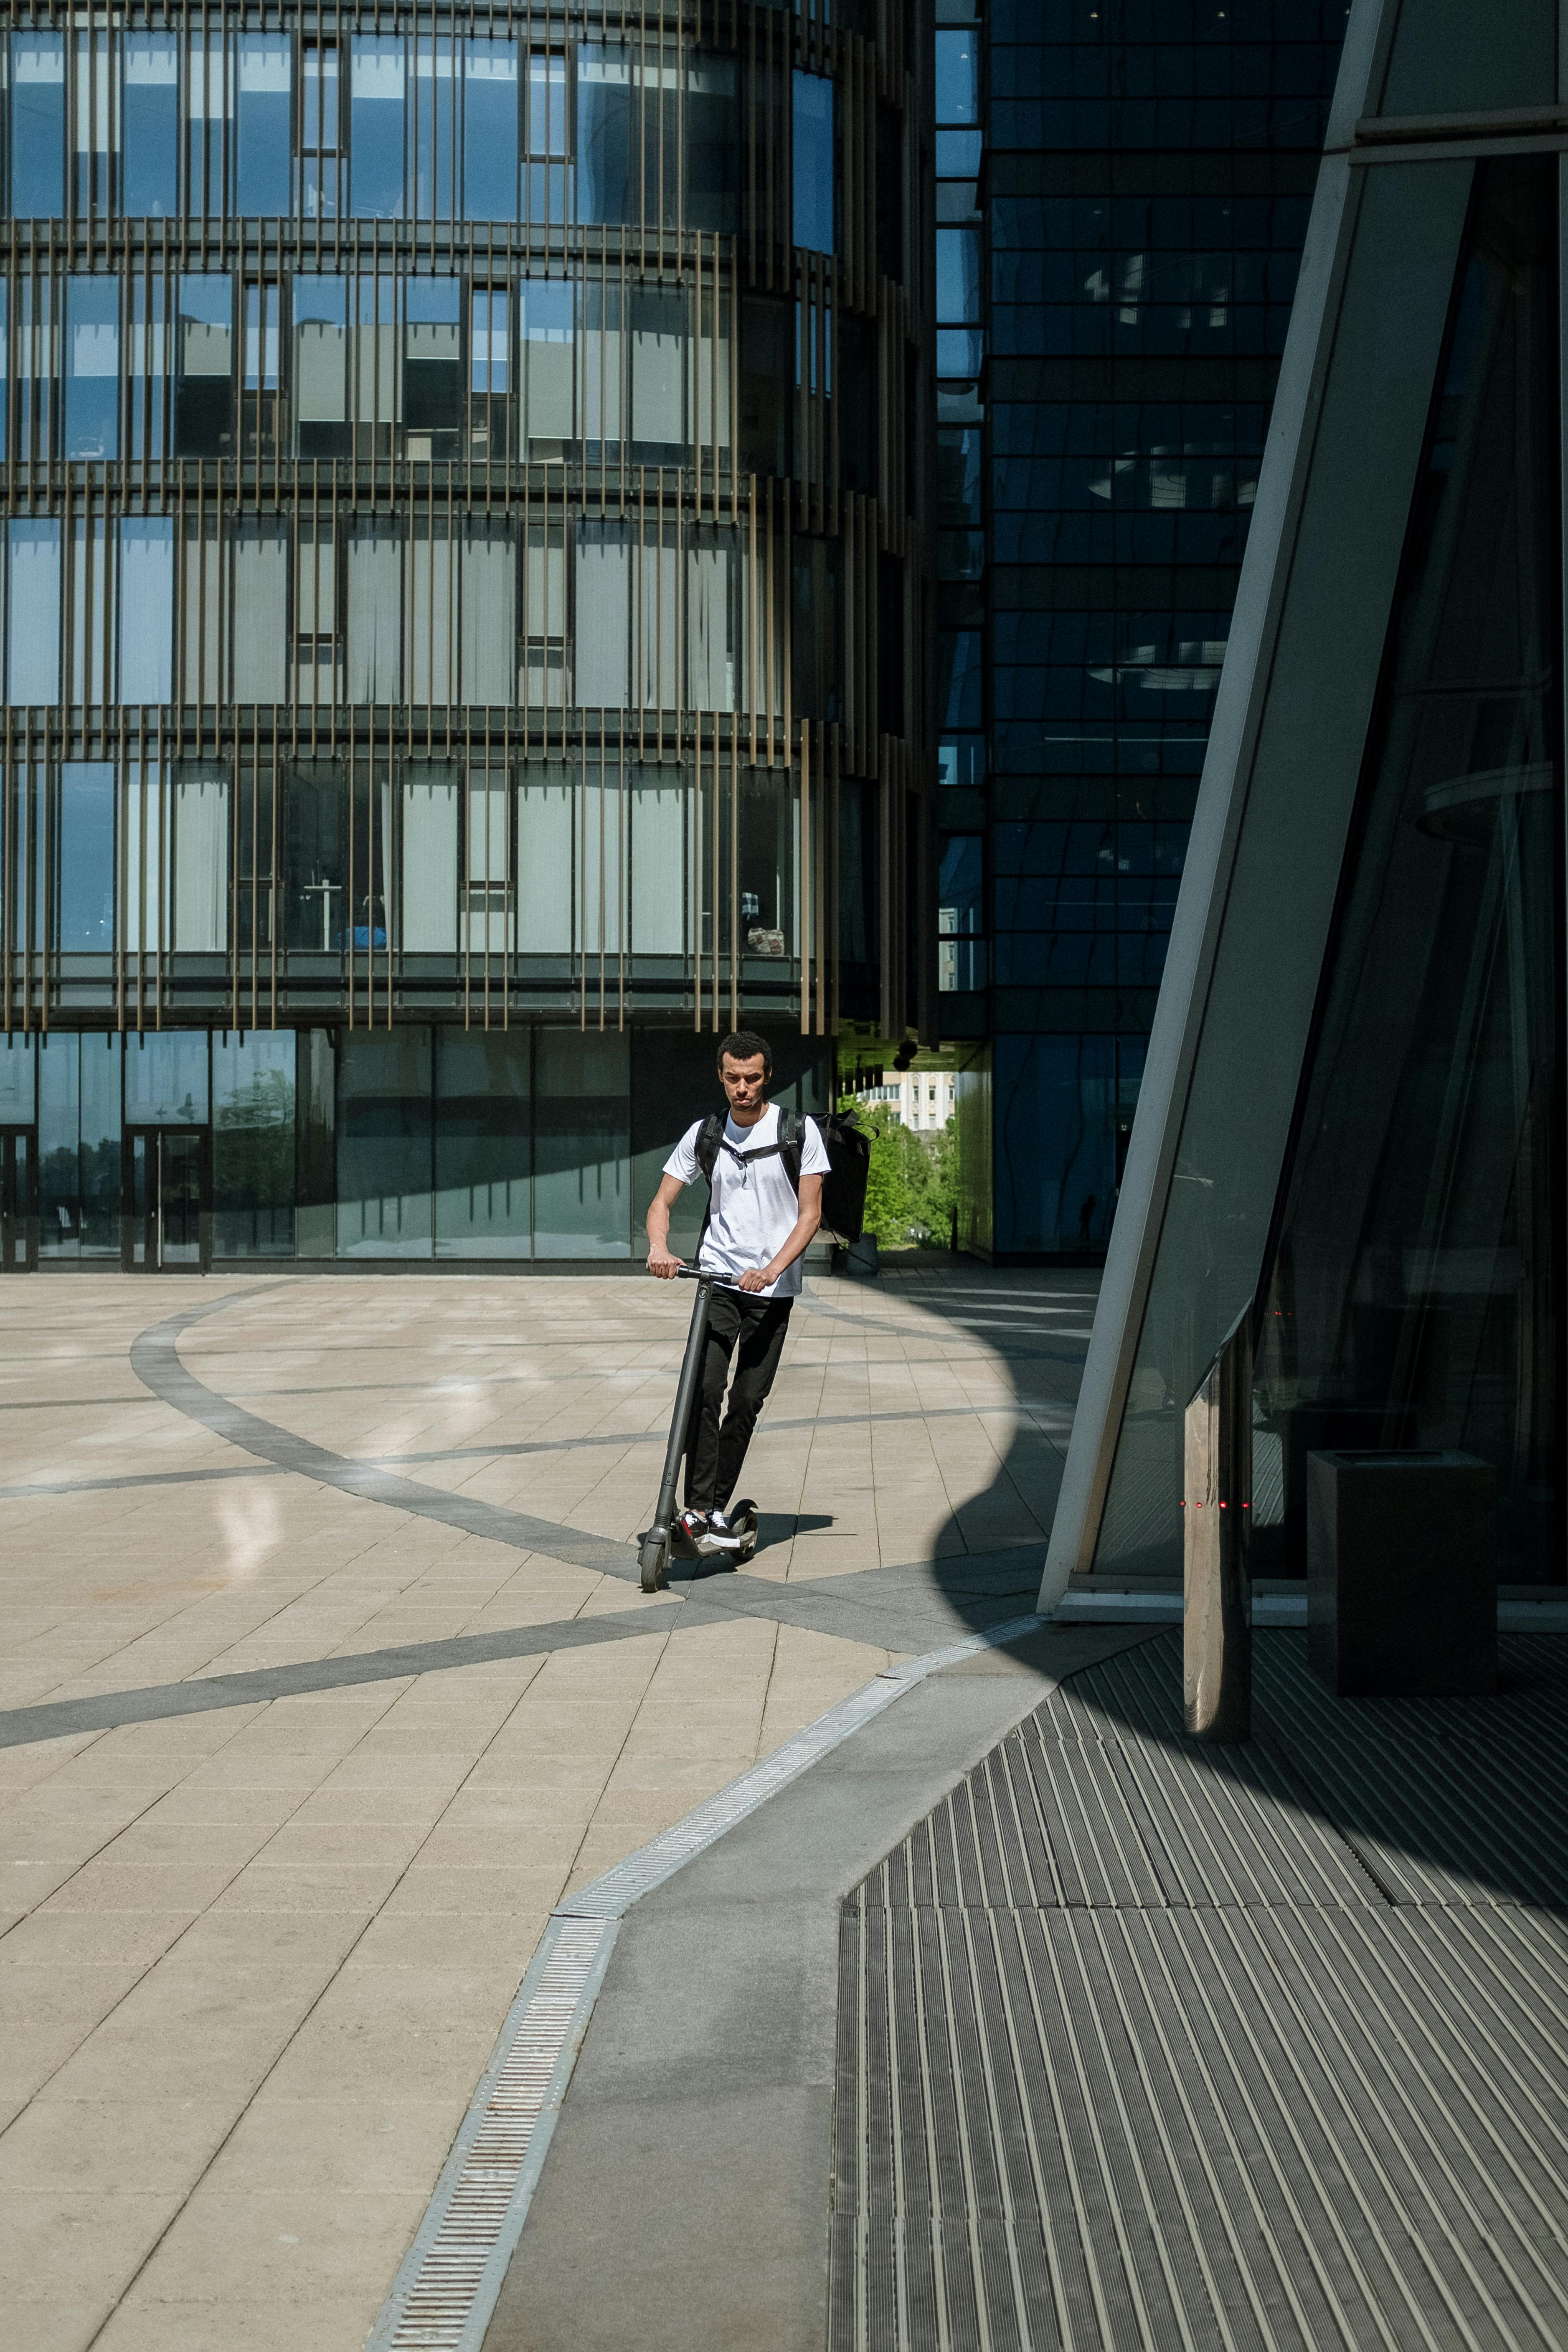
<point x="721" y="1536"/>
<point x="690" y="1534"/>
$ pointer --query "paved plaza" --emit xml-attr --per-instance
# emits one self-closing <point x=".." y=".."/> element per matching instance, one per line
<point x="326" y="1675"/>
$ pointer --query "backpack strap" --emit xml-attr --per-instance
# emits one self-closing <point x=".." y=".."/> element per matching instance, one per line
<point x="710" y="1135"/>
<point x="789" y="1147"/>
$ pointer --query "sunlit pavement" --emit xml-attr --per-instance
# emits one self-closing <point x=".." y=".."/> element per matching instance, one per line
<point x="256" y="1955"/>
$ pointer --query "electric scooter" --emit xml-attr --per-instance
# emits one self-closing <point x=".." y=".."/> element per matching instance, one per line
<point x="654" y="1558"/>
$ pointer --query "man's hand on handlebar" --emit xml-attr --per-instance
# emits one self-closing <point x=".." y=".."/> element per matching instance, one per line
<point x="661" y="1262"/>
<point x="756" y="1279"/>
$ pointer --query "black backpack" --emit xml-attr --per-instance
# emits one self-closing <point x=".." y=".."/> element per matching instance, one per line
<point x="848" y="1157"/>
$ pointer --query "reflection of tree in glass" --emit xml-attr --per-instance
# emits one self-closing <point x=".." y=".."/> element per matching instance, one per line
<point x="911" y="1184"/>
<point x="57" y="1203"/>
<point x="100" y="1165"/>
<point x="253" y="1154"/>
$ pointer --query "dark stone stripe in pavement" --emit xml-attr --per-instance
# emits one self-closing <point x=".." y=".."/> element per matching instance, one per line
<point x="155" y="1360"/>
<point x="139" y="1478"/>
<point x="64" y="1718"/>
<point x="907" y="1609"/>
<point x="901" y="1609"/>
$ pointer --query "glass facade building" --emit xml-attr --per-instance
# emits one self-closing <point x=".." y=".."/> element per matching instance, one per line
<point x="1351" y="1126"/>
<point x="462" y="595"/>
<point x="1122" y="194"/>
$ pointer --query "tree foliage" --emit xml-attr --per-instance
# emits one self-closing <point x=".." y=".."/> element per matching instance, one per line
<point x="911" y="1184"/>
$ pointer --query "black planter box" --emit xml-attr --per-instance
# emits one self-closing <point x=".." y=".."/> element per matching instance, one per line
<point x="1329" y="1429"/>
<point x="1401" y="1575"/>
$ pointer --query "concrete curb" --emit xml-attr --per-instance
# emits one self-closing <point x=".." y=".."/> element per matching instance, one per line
<point x="446" y="2287"/>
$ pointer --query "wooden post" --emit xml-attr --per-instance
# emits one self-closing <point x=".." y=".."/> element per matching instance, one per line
<point x="1216" y="1617"/>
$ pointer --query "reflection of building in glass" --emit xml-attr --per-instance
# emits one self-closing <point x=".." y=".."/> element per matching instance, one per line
<point x="462" y="608"/>
<point x="921" y="1099"/>
<point x="1352" y="1121"/>
<point x="1121" y="198"/>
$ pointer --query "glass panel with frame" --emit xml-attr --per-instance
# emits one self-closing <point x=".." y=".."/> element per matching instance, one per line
<point x="433" y="388"/>
<point x="18" y="1154"/>
<point x="37" y="124"/>
<point x="150" y="104"/>
<point x="812" y="161"/>
<point x="84" y="876"/>
<point x="321" y="159"/>
<point x="1359" y="473"/>
<point x="582" y="1165"/>
<point x="92" y="367"/>
<point x="204" y="361"/>
<point x="181" y="1167"/>
<point x="490" y="130"/>
<point x="961" y="913"/>
<point x="483" y="1143"/>
<point x="78" y="1129"/>
<point x="549" y="172"/>
<point x="378" y="74"/>
<point x="1416" y="1295"/>
<point x="18" y="1200"/>
<point x="384" y="1143"/>
<point x="263" y="70"/>
<point x="253" y="1085"/>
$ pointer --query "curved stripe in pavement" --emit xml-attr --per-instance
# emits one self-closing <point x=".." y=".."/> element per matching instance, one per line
<point x="155" y="1360"/>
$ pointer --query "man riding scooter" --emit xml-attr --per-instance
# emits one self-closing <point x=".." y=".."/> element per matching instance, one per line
<point x="756" y="1232"/>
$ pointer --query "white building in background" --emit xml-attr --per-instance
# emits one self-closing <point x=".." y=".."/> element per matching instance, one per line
<point x="923" y="1099"/>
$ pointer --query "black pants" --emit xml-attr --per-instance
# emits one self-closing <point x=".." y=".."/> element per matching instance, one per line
<point x="714" y="1453"/>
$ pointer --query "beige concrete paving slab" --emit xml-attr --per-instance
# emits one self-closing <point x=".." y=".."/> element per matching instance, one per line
<point x="272" y="1942"/>
<point x="95" y="2242"/>
<point x="295" y="2246"/>
<point x="101" y="2146"/>
<point x="59" y="2327"/>
<point x="317" y="2323"/>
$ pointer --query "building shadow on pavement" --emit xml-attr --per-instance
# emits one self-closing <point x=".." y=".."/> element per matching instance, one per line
<point x="1443" y="1801"/>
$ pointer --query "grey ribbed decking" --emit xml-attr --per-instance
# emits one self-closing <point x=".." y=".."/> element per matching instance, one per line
<point x="1143" y="2045"/>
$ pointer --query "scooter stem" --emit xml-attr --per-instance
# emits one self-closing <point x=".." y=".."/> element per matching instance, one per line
<point x="691" y="1373"/>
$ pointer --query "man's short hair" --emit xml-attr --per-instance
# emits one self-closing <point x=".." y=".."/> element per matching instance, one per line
<point x="744" y="1046"/>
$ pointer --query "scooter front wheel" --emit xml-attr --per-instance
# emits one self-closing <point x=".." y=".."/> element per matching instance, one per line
<point x="653" y="1560"/>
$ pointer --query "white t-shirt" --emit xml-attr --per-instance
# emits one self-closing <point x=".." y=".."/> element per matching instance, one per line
<point x="754" y="1209"/>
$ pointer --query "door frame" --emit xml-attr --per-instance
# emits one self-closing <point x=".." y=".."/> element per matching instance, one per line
<point x="151" y="1219"/>
<point x="28" y="1213"/>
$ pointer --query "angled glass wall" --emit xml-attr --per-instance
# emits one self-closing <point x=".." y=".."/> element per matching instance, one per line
<point x="1352" y="1124"/>
<point x="1415" y="1292"/>
<point x="463" y="514"/>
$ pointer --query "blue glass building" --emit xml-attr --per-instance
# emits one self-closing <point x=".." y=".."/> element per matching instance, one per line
<point x="1122" y="195"/>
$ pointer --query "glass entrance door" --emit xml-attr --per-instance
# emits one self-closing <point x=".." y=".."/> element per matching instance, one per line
<point x="168" y="1202"/>
<point x="18" y="1200"/>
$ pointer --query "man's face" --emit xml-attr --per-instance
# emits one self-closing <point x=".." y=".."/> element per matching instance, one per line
<point x="743" y="1082"/>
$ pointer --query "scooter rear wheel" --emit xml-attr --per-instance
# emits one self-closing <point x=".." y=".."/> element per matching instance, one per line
<point x="743" y="1519"/>
<point x="652" y="1561"/>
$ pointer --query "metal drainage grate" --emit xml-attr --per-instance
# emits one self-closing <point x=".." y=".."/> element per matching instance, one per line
<point x="437" y="2306"/>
